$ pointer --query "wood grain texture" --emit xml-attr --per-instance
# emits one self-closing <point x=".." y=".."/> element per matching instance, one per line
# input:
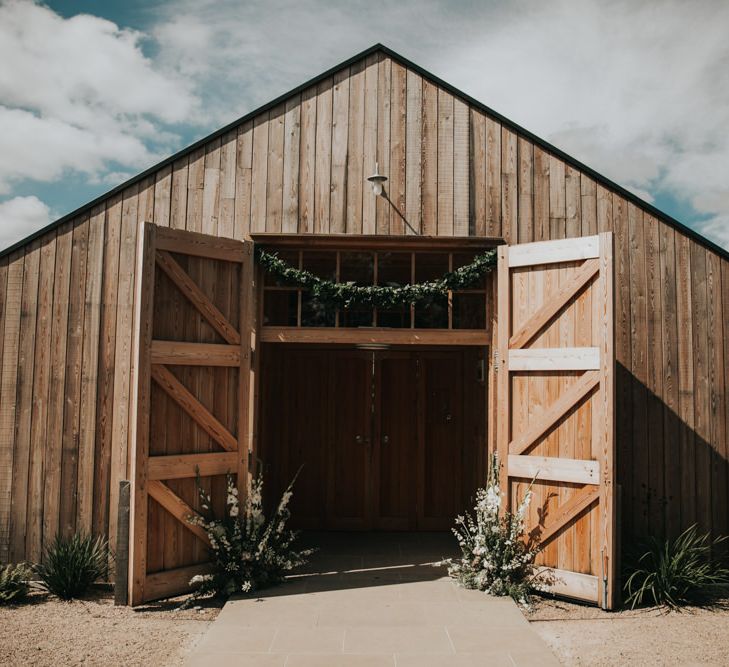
<point x="24" y="398"/>
<point x="414" y="156"/>
<point x="6" y="454"/>
<point x="445" y="163"/>
<point x="396" y="186"/>
<point x="90" y="371"/>
<point x="354" y="175"/>
<point x="8" y="387"/>
<point x="340" y="138"/>
<point x="105" y="378"/>
<point x="41" y="399"/>
<point x="371" y="140"/>
<point x="306" y="164"/>
<point x="72" y="391"/>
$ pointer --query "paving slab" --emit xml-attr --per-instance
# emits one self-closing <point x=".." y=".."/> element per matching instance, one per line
<point x="371" y="599"/>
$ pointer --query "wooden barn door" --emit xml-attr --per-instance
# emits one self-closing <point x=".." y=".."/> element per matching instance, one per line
<point x="193" y="319"/>
<point x="555" y="418"/>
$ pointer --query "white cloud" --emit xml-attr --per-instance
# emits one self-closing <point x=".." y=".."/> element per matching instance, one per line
<point x="21" y="216"/>
<point x="42" y="148"/>
<point x="78" y="94"/>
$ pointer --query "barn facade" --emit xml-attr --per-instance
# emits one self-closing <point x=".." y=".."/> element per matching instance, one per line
<point x="140" y="340"/>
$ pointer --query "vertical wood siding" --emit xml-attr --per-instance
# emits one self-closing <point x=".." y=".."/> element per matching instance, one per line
<point x="66" y="299"/>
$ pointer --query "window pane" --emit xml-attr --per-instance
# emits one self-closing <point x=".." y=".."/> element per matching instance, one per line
<point x="461" y="259"/>
<point x="432" y="313"/>
<point x="430" y="266"/>
<point x="316" y="314"/>
<point x="393" y="268"/>
<point x="290" y="257"/>
<point x="357" y="267"/>
<point x="355" y="317"/>
<point x="397" y="318"/>
<point x="280" y="308"/>
<point x="322" y="264"/>
<point x="469" y="311"/>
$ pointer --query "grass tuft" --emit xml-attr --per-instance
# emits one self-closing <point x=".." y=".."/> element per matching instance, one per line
<point x="675" y="573"/>
<point x="72" y="564"/>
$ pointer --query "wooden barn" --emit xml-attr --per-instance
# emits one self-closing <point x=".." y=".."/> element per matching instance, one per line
<point x="141" y="340"/>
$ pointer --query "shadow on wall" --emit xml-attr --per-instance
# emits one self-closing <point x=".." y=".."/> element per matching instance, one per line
<point x="670" y="475"/>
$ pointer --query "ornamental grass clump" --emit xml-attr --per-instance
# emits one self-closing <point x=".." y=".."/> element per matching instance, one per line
<point x="248" y="550"/>
<point x="674" y="573"/>
<point x="14" y="583"/>
<point x="72" y="564"/>
<point x="496" y="555"/>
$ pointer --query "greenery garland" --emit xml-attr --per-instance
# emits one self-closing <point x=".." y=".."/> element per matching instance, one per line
<point x="344" y="295"/>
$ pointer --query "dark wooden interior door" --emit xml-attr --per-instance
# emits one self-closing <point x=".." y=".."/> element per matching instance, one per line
<point x="396" y="441"/>
<point x="441" y="417"/>
<point x="386" y="440"/>
<point x="350" y="441"/>
<point x="295" y="430"/>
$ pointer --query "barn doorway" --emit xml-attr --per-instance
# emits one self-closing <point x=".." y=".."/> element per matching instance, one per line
<point x="386" y="439"/>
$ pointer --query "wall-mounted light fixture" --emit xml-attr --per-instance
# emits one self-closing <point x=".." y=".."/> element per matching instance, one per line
<point x="377" y="180"/>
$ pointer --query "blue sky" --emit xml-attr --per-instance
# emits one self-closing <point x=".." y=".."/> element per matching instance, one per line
<point x="100" y="91"/>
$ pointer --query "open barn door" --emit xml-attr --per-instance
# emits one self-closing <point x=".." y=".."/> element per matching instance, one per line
<point x="192" y="385"/>
<point x="555" y="405"/>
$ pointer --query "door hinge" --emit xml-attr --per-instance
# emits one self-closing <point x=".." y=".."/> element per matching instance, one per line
<point x="496" y="361"/>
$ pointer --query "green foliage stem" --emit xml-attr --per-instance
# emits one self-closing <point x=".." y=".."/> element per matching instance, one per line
<point x="676" y="572"/>
<point x="14" y="583"/>
<point x="72" y="564"/>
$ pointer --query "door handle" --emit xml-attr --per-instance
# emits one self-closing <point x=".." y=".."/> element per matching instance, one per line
<point x="360" y="440"/>
<point x="385" y="439"/>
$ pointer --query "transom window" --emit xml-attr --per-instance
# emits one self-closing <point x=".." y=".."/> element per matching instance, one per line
<point x="286" y="306"/>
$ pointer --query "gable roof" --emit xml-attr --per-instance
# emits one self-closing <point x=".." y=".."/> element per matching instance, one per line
<point x="380" y="48"/>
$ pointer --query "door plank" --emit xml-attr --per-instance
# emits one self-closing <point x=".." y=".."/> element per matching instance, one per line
<point x="206" y="420"/>
<point x="177" y="507"/>
<point x="568" y="511"/>
<point x="554" y="468"/>
<point x="555" y="359"/>
<point x="550" y="252"/>
<point x="555" y="412"/>
<point x="568" y="292"/>
<point x="181" y="466"/>
<point x="197" y="297"/>
<point x="177" y="353"/>
<point x="570" y="584"/>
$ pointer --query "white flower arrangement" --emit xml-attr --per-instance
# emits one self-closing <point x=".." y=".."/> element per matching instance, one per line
<point x="496" y="557"/>
<point x="247" y="550"/>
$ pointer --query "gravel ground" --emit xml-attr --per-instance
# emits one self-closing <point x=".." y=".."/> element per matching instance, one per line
<point x="581" y="635"/>
<point x="48" y="631"/>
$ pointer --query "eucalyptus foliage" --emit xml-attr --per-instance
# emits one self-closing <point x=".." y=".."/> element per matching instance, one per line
<point x="248" y="550"/>
<point x="14" y="583"/>
<point x="496" y="555"/>
<point x="72" y="564"/>
<point x="345" y="295"/>
<point x="675" y="572"/>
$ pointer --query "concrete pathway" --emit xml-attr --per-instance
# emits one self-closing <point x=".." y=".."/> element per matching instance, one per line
<point x="371" y="599"/>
